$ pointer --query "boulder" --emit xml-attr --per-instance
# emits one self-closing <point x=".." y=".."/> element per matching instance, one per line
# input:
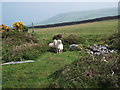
<point x="73" y="46"/>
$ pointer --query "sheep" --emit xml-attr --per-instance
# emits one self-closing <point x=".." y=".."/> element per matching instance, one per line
<point x="59" y="46"/>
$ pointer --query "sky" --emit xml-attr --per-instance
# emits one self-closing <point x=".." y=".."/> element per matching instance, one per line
<point x="60" y="0"/>
<point x="35" y="12"/>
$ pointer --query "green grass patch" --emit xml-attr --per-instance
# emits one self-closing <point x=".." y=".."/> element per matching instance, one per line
<point x="33" y="75"/>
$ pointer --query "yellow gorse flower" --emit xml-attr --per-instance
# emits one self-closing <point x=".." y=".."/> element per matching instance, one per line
<point x="7" y="28"/>
<point x="4" y="28"/>
<point x="17" y="25"/>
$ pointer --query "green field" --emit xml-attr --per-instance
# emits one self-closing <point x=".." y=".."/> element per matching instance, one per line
<point x="96" y="28"/>
<point x="35" y="75"/>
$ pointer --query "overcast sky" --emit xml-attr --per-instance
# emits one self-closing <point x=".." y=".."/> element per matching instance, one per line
<point x="28" y="12"/>
<point x="60" y="0"/>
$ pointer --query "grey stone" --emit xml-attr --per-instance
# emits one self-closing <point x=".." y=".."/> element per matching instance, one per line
<point x="98" y="50"/>
<point x="73" y="46"/>
<point x="12" y="62"/>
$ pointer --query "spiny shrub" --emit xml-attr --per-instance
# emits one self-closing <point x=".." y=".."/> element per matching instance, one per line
<point x="19" y="26"/>
<point x="4" y="28"/>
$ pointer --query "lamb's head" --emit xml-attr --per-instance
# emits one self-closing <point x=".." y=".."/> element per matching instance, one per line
<point x="59" y="42"/>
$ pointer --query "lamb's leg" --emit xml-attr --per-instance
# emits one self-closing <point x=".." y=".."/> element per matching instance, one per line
<point x="57" y="51"/>
<point x="61" y="50"/>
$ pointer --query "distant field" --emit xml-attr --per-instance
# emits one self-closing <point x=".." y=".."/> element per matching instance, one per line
<point x="102" y="28"/>
<point x="35" y="75"/>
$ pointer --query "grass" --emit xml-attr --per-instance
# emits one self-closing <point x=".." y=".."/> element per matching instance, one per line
<point x="35" y="75"/>
<point x="96" y="28"/>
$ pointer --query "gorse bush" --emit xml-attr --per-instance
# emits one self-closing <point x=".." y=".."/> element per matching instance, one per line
<point x="4" y="28"/>
<point x="19" y="26"/>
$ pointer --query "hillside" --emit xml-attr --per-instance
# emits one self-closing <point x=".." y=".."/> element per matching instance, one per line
<point x="51" y="69"/>
<point x="78" y="16"/>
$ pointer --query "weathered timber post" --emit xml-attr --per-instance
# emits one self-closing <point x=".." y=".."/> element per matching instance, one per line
<point x="32" y="27"/>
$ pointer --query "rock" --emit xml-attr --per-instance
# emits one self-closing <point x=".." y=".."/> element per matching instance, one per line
<point x="112" y="51"/>
<point x="12" y="62"/>
<point x="73" y="46"/>
<point x="97" y="53"/>
<point x="98" y="50"/>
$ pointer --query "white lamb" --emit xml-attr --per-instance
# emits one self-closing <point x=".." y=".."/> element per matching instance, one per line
<point x="59" y="46"/>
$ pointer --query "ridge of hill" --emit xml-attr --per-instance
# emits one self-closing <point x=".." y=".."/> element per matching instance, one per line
<point x="76" y="22"/>
<point x="80" y="15"/>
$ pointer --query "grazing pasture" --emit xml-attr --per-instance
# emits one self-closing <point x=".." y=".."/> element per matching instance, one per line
<point x="95" y="28"/>
<point x="36" y="74"/>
